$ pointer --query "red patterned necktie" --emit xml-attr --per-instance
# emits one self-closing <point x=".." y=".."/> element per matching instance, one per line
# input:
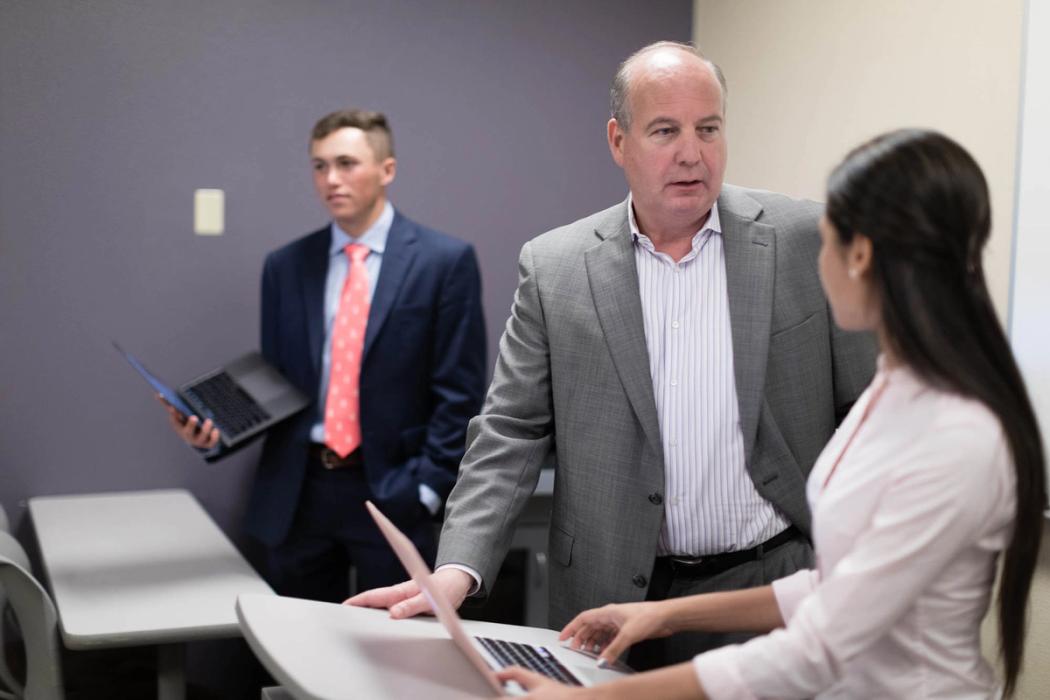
<point x="342" y="419"/>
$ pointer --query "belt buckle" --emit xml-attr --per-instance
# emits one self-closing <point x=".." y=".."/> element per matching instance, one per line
<point x="688" y="561"/>
<point x="685" y="563"/>
<point x="329" y="459"/>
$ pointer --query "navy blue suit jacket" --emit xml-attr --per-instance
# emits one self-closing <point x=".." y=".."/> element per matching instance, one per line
<point x="422" y="377"/>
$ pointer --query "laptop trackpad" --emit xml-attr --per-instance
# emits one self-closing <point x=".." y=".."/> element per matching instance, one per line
<point x="263" y="383"/>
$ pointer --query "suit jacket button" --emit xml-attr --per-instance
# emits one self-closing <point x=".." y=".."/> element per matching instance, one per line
<point x="656" y="499"/>
<point x="639" y="580"/>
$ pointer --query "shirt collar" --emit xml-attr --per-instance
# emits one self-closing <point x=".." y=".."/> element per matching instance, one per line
<point x="896" y="371"/>
<point x="374" y="238"/>
<point x="712" y="225"/>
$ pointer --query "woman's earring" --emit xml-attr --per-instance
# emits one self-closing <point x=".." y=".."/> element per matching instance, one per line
<point x="853" y="273"/>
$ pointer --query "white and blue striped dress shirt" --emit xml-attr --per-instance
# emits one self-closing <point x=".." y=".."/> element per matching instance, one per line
<point x="711" y="505"/>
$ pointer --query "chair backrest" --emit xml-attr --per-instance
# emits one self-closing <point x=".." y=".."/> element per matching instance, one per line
<point x="5" y="523"/>
<point x="12" y="549"/>
<point x="38" y="622"/>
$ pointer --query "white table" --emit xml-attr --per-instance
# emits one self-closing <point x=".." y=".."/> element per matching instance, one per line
<point x="141" y="568"/>
<point x="321" y="651"/>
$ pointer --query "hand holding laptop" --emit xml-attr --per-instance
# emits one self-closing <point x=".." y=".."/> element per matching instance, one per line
<point x="203" y="436"/>
<point x="241" y="399"/>
<point x="406" y="600"/>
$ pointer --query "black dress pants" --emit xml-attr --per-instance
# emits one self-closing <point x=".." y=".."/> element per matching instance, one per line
<point x="331" y="532"/>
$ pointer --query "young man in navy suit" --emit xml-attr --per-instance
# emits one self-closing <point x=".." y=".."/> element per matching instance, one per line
<point x="380" y="319"/>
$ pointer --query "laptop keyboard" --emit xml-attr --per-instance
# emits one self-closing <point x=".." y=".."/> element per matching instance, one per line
<point x="534" y="658"/>
<point x="230" y="408"/>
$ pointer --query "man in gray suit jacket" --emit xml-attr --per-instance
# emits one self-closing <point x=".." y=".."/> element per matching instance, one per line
<point x="676" y="354"/>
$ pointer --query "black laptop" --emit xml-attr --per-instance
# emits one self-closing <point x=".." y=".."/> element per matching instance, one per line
<point x="243" y="398"/>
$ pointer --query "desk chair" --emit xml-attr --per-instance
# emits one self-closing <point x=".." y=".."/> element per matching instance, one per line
<point x="38" y="622"/>
<point x="12" y="549"/>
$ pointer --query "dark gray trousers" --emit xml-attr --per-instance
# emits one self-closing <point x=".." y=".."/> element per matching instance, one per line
<point x="654" y="653"/>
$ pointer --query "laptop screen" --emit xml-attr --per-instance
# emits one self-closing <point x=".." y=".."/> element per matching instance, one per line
<point x="420" y="573"/>
<point x="160" y="387"/>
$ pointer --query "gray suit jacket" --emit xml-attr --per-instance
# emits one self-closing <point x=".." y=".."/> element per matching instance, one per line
<point x="573" y="378"/>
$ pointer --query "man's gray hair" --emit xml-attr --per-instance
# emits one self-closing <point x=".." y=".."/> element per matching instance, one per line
<point x="620" y="96"/>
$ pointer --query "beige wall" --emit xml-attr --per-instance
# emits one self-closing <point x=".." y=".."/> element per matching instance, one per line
<point x="1035" y="681"/>
<point x="809" y="79"/>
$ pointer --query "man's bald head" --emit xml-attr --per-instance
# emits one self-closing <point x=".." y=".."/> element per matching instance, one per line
<point x="649" y="61"/>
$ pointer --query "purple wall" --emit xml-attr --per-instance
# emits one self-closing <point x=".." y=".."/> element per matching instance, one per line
<point x="112" y="113"/>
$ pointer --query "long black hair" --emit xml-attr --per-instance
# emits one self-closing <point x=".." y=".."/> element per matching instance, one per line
<point x="923" y="202"/>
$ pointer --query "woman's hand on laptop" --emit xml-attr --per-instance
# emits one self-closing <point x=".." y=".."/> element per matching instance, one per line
<point x="611" y="629"/>
<point x="405" y="599"/>
<point x="203" y="436"/>
<point x="678" y="681"/>
<point x="539" y="687"/>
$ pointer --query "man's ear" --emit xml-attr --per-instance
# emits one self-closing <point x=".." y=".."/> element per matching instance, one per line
<point x="615" y="141"/>
<point x="389" y="166"/>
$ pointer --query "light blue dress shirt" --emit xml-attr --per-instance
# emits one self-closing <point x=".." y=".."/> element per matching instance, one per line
<point x="375" y="240"/>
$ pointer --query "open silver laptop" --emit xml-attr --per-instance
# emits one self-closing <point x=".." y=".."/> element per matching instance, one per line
<point x="487" y="655"/>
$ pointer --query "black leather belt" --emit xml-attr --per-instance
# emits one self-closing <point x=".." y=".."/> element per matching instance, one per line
<point x="330" y="460"/>
<point x="712" y="564"/>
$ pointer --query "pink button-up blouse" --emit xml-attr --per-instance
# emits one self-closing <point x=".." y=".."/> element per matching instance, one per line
<point x="907" y="525"/>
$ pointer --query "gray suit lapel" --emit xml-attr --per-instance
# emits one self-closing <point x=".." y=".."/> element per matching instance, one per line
<point x="750" y="258"/>
<point x="613" y="280"/>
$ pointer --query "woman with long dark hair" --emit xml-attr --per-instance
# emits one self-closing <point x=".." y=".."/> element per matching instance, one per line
<point x="936" y="472"/>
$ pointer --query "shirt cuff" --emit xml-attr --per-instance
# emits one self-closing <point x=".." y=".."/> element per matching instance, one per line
<point x="719" y="675"/>
<point x="429" y="498"/>
<point x="791" y="590"/>
<point x="476" y="588"/>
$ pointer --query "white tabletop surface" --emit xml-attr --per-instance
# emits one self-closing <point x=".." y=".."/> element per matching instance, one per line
<point x="321" y="651"/>
<point x="141" y="567"/>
